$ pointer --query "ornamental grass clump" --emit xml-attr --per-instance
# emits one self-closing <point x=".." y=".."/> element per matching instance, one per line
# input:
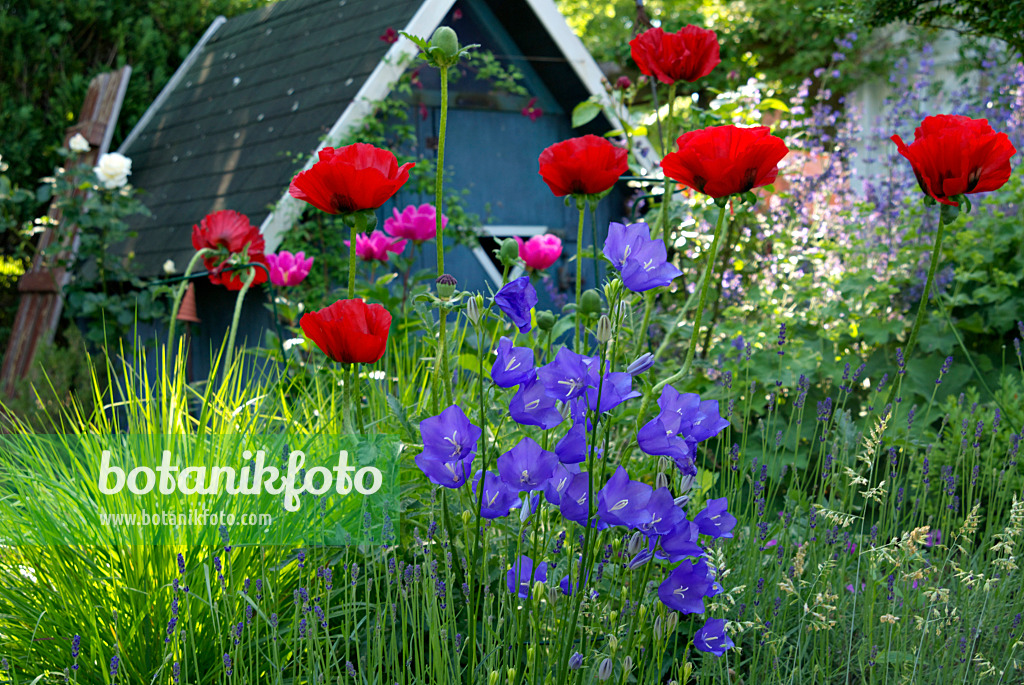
<point x="673" y="479"/>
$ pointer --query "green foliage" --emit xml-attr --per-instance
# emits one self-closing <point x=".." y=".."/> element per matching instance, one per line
<point x="52" y="49"/>
<point x="1002" y="19"/>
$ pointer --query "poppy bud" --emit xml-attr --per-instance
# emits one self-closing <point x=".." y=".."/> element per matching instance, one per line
<point x="545" y="320"/>
<point x="604" y="329"/>
<point x="509" y="252"/>
<point x="623" y="83"/>
<point x="446" y="286"/>
<point x="604" y="671"/>
<point x="446" y="41"/>
<point x="590" y="303"/>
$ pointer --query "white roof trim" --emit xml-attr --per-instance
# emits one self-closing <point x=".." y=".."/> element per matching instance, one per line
<point x="376" y="87"/>
<point x="192" y="56"/>
<point x="582" y="62"/>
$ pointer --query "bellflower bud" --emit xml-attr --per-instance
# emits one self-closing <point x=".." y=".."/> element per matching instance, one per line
<point x="538" y="590"/>
<point x="627" y="664"/>
<point x="604" y="671"/>
<point x="553" y="595"/>
<point x="612" y="289"/>
<point x="613" y="642"/>
<point x="664" y="464"/>
<point x="661" y="480"/>
<point x="604" y="329"/>
<point x="641" y="365"/>
<point x="473" y="310"/>
<point x="671" y="622"/>
<point x="635" y="543"/>
<point x="657" y="628"/>
<point x="492" y="678"/>
<point x="511" y="673"/>
<point x="467" y="516"/>
<point x="575" y="661"/>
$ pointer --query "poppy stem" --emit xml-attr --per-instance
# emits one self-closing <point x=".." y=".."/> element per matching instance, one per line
<point x="912" y="340"/>
<point x="358" y="226"/>
<point x="705" y="281"/>
<point x="579" y="273"/>
<point x="229" y="355"/>
<point x="666" y="195"/>
<point x="592" y="206"/>
<point x="439" y="172"/>
<point x="181" y="292"/>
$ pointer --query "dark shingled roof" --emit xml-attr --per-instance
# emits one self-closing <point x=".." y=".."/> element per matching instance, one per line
<point x="249" y="111"/>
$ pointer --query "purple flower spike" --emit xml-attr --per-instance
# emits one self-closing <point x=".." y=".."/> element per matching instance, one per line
<point x="531" y="406"/>
<point x="686" y="587"/>
<point x="499" y="498"/>
<point x="526" y="466"/>
<point x="714" y="520"/>
<point x="712" y="638"/>
<point x="522" y="576"/>
<point x="567" y="377"/>
<point x="623" y="502"/>
<point x="449" y="435"/>
<point x="516" y="299"/>
<point x="514" y="365"/>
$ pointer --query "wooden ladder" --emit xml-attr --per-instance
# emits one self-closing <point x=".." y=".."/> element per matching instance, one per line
<point x="41" y="288"/>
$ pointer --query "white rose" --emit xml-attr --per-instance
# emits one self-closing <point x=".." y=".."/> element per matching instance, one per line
<point x="113" y="170"/>
<point x="78" y="143"/>
<point x="169" y="267"/>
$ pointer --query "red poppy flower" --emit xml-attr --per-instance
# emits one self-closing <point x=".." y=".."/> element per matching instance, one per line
<point x="588" y="165"/>
<point x="956" y="155"/>
<point x="349" y="331"/>
<point x="725" y="160"/>
<point x="687" y="55"/>
<point x="350" y="179"/>
<point x="235" y="241"/>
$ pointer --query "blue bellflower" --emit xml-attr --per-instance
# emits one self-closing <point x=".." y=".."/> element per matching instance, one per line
<point x="522" y="575"/>
<point x="712" y="638"/>
<point x="623" y="502"/>
<point x="513" y="366"/>
<point x="642" y="262"/>
<point x="686" y="587"/>
<point x="714" y="520"/>
<point x="531" y="406"/>
<point x="565" y="378"/>
<point x="527" y="467"/>
<point x="499" y="499"/>
<point x="516" y="299"/>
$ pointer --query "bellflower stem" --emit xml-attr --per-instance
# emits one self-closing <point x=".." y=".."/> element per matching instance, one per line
<point x="705" y="281"/>
<point x="666" y="196"/>
<point x="579" y="273"/>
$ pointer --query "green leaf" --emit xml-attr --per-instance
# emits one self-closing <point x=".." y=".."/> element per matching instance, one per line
<point x="584" y="113"/>
<point x="772" y="103"/>
<point x="470" y="362"/>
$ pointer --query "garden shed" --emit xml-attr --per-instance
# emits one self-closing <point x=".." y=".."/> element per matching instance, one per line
<point x="260" y="93"/>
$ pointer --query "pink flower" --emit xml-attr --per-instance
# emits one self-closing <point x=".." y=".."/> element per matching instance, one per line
<point x="532" y="111"/>
<point x="414" y="223"/>
<point x="376" y="246"/>
<point x="540" y="251"/>
<point x="287" y="268"/>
